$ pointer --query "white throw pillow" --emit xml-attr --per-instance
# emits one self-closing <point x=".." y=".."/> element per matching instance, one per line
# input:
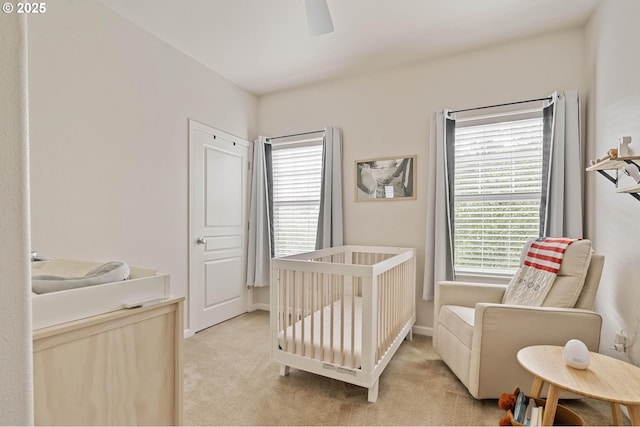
<point x="567" y="285"/>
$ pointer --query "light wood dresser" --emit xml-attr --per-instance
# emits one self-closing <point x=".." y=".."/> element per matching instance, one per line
<point x="117" y="368"/>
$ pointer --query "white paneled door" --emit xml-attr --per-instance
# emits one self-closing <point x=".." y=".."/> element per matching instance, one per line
<point x="218" y="177"/>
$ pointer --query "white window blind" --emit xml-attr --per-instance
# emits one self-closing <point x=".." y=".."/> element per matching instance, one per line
<point x="297" y="178"/>
<point x="498" y="175"/>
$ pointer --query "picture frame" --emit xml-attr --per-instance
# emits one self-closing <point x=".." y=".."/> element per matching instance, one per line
<point x="385" y="179"/>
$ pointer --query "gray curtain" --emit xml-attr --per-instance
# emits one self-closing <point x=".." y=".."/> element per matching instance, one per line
<point x="330" y="219"/>
<point x="561" y="203"/>
<point x="438" y="263"/>
<point x="260" y="239"/>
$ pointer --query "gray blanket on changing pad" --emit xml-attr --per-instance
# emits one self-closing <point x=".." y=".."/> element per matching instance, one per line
<point x="112" y="271"/>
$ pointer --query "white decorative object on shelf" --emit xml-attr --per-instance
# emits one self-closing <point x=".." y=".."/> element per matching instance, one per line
<point x="633" y="171"/>
<point x="623" y="146"/>
<point x="576" y="354"/>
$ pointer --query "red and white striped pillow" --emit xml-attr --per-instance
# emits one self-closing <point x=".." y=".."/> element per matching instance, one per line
<point x="546" y="254"/>
<point x="571" y="274"/>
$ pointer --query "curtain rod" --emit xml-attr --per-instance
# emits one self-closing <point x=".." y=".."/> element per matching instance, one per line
<point x="294" y="134"/>
<point x="548" y="98"/>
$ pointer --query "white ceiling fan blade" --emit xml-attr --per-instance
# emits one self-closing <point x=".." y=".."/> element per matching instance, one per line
<point x="318" y="17"/>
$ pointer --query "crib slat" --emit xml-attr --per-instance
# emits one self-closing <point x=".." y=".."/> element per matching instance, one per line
<point x="353" y="326"/>
<point x="302" y="290"/>
<point x="383" y="316"/>
<point x="342" y="326"/>
<point x="331" y="292"/>
<point x="321" y="320"/>
<point x="284" y="276"/>
<point x="392" y="307"/>
<point x="379" y="335"/>
<point x="312" y="310"/>
<point x="378" y="329"/>
<point x="294" y="310"/>
<point x="385" y="313"/>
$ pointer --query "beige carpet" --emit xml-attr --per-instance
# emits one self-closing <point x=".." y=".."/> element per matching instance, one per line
<point x="230" y="380"/>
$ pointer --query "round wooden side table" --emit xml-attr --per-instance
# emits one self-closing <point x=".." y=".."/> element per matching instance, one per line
<point x="606" y="378"/>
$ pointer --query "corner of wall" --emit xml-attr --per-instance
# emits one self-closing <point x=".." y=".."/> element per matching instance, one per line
<point x="612" y="59"/>
<point x="16" y="375"/>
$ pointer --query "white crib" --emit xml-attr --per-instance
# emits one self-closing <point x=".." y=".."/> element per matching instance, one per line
<point x="342" y="312"/>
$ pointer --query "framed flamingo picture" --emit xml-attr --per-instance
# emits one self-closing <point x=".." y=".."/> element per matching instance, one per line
<point x="387" y="178"/>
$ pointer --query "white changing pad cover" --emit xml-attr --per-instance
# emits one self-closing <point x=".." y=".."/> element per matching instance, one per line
<point x="59" y="274"/>
<point x="326" y="339"/>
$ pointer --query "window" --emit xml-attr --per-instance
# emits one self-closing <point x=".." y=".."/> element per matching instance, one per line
<point x="297" y="178"/>
<point x="497" y="185"/>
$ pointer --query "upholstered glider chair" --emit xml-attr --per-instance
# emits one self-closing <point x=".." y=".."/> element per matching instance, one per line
<point x="478" y="336"/>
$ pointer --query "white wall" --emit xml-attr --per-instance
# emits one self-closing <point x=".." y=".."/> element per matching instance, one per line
<point x="613" y="47"/>
<point x="16" y="372"/>
<point x="110" y="105"/>
<point x="387" y="114"/>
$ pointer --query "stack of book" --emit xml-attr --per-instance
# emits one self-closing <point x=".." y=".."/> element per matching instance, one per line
<point x="526" y="412"/>
<point x="529" y="411"/>
<point x="533" y="414"/>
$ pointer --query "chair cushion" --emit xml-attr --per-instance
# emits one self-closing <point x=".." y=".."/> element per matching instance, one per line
<point x="459" y="320"/>
<point x="571" y="276"/>
<point x="570" y="280"/>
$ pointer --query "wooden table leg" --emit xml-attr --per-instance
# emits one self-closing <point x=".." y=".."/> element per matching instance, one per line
<point x="634" y="414"/>
<point x="536" y="387"/>
<point x="616" y="413"/>
<point x="551" y="406"/>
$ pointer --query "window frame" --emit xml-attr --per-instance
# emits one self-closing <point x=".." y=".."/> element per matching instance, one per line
<point x="479" y="273"/>
<point x="294" y="142"/>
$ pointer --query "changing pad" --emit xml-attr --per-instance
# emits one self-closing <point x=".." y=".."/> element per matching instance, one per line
<point x="60" y="275"/>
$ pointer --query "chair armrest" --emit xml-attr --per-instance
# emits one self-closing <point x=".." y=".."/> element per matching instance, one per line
<point x="501" y="330"/>
<point x="467" y="294"/>
<point x="536" y="325"/>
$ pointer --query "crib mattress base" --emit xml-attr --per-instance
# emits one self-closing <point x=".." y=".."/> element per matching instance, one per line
<point x="343" y="349"/>
<point x="360" y="377"/>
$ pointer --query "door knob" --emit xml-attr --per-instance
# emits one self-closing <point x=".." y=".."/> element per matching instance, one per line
<point x="201" y="241"/>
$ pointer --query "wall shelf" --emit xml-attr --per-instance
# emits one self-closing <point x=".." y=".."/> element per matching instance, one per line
<point x="631" y="189"/>
<point x="617" y="164"/>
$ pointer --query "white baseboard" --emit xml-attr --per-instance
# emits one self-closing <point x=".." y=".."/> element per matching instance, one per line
<point x="259" y="306"/>
<point x="188" y="333"/>
<point x="422" y="330"/>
